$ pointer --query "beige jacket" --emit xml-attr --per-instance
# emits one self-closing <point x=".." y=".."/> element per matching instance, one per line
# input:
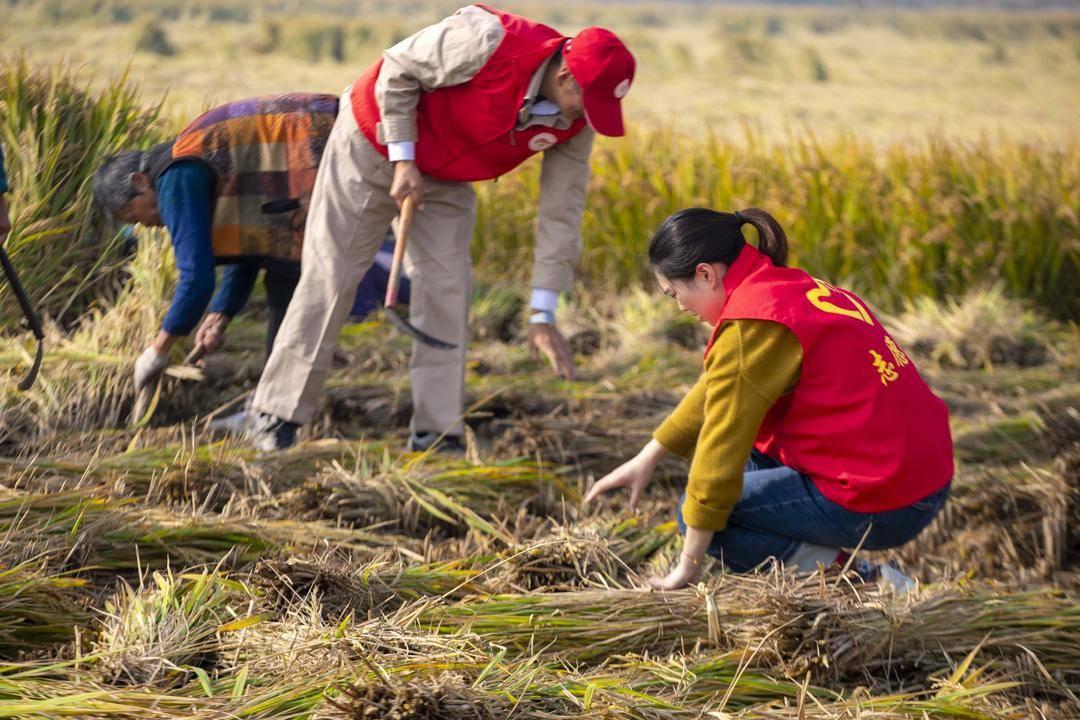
<point x="451" y="53"/>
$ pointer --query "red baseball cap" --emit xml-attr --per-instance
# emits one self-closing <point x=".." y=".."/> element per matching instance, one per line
<point x="604" y="69"/>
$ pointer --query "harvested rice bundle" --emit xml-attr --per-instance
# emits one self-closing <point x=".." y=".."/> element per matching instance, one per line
<point x="74" y="531"/>
<point x="1008" y="522"/>
<point x="450" y="496"/>
<point x="1012" y="438"/>
<point x="204" y="475"/>
<point x="307" y="639"/>
<point x="696" y="680"/>
<point x="286" y="584"/>
<point x="978" y="331"/>
<point x="594" y="624"/>
<point x="375" y="587"/>
<point x="155" y="538"/>
<point x="561" y="561"/>
<point x="158" y="537"/>
<point x="590" y="441"/>
<point x="38" y="607"/>
<point x="832" y="627"/>
<point x="855" y="634"/>
<point x="52" y="527"/>
<point x="627" y="687"/>
<point x="595" y="554"/>
<point x="977" y="703"/>
<point x="160" y="634"/>
<point x="444" y="698"/>
<point x="366" y="402"/>
<point x="63" y="689"/>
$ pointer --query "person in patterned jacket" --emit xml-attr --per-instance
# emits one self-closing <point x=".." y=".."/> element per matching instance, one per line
<point x="232" y="189"/>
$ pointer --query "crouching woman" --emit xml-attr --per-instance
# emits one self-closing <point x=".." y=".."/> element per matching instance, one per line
<point x="810" y="429"/>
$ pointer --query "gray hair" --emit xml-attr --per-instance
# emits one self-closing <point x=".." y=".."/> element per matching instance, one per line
<point x="112" y="185"/>
<point x="113" y="188"/>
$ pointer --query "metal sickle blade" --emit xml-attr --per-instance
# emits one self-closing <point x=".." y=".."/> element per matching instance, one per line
<point x="406" y="327"/>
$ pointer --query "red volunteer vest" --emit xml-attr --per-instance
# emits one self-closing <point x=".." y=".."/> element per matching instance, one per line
<point x="861" y="422"/>
<point x="467" y="132"/>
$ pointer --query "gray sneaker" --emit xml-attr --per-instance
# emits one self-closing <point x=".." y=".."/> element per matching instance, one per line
<point x="420" y="442"/>
<point x="271" y="434"/>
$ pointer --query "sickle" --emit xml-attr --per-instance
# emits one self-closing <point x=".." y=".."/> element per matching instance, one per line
<point x="31" y="317"/>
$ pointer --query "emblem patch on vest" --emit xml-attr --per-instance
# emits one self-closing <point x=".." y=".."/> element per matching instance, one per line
<point x="542" y="141"/>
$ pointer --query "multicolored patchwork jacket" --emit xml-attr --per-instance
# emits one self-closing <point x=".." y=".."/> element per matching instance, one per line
<point x="265" y="152"/>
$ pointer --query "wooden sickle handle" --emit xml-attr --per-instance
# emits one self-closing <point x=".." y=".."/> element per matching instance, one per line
<point x="404" y="223"/>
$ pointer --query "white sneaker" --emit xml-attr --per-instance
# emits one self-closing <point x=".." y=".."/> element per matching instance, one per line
<point x="892" y="577"/>
<point x="236" y="424"/>
<point x="886" y="575"/>
<point x="271" y="434"/>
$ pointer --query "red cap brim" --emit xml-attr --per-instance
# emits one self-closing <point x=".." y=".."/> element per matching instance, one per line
<point x="604" y="115"/>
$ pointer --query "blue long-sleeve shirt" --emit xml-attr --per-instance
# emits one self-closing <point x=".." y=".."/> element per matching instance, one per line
<point x="185" y="194"/>
<point x="3" y="175"/>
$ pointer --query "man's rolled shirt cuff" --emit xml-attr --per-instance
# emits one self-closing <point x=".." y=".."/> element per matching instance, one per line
<point x="556" y="277"/>
<point x="674" y="439"/>
<point x="544" y="299"/>
<point x="703" y="517"/>
<point x="395" y="130"/>
<point x="401" y="151"/>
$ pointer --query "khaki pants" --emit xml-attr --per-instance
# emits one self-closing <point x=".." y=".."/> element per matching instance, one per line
<point x="350" y="210"/>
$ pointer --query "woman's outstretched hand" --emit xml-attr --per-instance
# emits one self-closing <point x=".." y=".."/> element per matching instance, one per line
<point x="634" y="474"/>
<point x="686" y="572"/>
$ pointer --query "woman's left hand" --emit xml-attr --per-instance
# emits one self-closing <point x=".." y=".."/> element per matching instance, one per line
<point x="687" y="572"/>
<point x="691" y="561"/>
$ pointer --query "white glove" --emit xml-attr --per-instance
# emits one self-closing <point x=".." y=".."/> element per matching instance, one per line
<point x="148" y="367"/>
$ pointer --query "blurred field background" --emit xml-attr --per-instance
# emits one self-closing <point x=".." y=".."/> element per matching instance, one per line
<point x="886" y="74"/>
<point x="928" y="158"/>
<point x="908" y="152"/>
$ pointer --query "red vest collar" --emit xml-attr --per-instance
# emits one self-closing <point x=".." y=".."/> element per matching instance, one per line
<point x="749" y="260"/>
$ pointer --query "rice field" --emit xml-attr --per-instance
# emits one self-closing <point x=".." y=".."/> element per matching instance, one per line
<point x="150" y="569"/>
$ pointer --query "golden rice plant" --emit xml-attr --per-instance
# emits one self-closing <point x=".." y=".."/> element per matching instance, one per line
<point x="56" y="130"/>
<point x="85" y="380"/>
<point x="935" y="218"/>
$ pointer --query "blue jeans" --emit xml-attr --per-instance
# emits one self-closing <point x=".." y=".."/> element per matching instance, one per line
<point x="781" y="507"/>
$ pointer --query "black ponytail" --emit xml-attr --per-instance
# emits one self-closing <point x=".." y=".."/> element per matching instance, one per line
<point x="771" y="238"/>
<point x="699" y="235"/>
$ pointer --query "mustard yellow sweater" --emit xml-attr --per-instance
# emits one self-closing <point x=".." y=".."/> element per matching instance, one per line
<point x="752" y="364"/>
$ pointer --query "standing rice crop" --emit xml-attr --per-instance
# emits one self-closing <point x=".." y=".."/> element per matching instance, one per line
<point x="56" y="131"/>
<point x="85" y="381"/>
<point x="935" y="218"/>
